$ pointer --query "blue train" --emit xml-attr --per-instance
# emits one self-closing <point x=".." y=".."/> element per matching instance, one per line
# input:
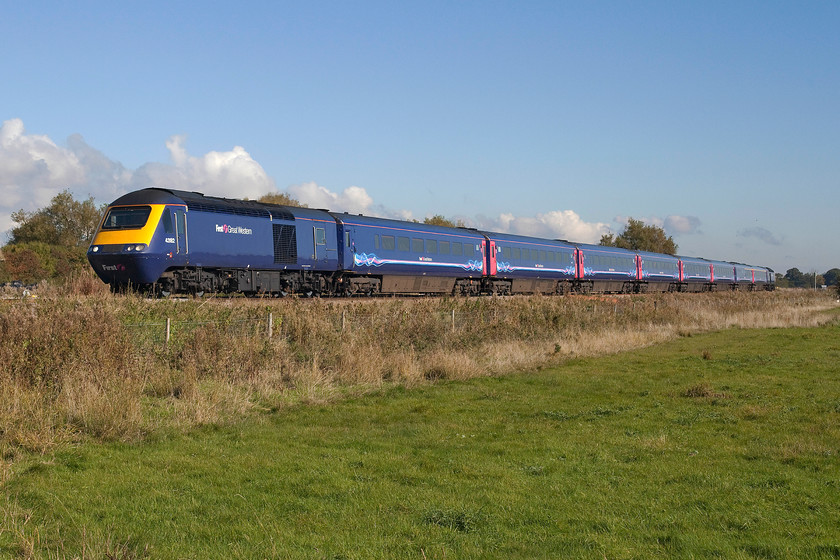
<point x="171" y="241"/>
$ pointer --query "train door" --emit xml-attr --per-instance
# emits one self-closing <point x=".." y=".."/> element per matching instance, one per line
<point x="182" y="246"/>
<point x="492" y="264"/>
<point x="320" y="239"/>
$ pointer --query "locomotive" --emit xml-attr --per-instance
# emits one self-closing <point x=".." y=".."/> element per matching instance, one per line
<point x="177" y="242"/>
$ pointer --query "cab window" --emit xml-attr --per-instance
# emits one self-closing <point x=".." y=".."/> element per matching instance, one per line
<point x="167" y="222"/>
<point x="126" y="217"/>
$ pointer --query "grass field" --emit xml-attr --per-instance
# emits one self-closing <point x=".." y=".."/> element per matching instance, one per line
<point x="721" y="445"/>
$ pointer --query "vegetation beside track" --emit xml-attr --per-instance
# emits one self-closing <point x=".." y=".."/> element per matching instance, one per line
<point x="75" y="367"/>
<point x="720" y="445"/>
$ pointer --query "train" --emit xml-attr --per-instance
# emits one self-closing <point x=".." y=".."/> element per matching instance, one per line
<point x="168" y="241"/>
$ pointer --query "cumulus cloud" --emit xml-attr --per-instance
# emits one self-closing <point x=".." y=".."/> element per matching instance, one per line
<point x="233" y="174"/>
<point x="761" y="234"/>
<point x="33" y="169"/>
<point x="556" y="224"/>
<point x="352" y="199"/>
<point x="682" y="225"/>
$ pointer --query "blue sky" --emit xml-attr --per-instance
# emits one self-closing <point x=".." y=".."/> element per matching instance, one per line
<point x="718" y="121"/>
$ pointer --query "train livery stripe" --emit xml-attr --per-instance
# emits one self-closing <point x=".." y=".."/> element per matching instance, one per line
<point x="372" y="260"/>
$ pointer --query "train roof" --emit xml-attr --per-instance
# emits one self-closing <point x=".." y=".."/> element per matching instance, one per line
<point x="360" y="219"/>
<point x="496" y="236"/>
<point x="657" y="255"/>
<point x="603" y="248"/>
<point x="198" y="201"/>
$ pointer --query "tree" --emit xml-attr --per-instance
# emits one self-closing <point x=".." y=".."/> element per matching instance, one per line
<point x="795" y="278"/>
<point x="51" y="242"/>
<point x="66" y="222"/>
<point x="439" y="220"/>
<point x="24" y="263"/>
<point x="282" y="199"/>
<point x="832" y="277"/>
<point x="640" y="237"/>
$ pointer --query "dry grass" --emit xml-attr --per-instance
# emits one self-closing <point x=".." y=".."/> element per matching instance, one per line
<point x="84" y="363"/>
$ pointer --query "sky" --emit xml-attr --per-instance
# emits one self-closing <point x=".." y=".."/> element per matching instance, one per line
<point x="717" y="120"/>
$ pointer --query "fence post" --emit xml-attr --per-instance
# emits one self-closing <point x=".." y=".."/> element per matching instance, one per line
<point x="270" y="324"/>
<point x="453" y="320"/>
<point x="168" y="329"/>
<point x="343" y="319"/>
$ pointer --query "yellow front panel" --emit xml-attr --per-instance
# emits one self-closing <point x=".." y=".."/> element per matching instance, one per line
<point x="129" y="236"/>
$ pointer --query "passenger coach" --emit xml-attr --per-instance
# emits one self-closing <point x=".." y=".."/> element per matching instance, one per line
<point x="395" y="257"/>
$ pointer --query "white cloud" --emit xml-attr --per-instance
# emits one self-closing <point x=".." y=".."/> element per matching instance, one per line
<point x="556" y="224"/>
<point x="33" y="169"/>
<point x="352" y="199"/>
<point x="232" y="174"/>
<point x="684" y="225"/>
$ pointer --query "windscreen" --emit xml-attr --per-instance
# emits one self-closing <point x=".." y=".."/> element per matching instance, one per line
<point x="126" y="217"/>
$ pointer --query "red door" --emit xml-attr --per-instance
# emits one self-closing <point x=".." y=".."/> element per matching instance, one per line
<point x="492" y="256"/>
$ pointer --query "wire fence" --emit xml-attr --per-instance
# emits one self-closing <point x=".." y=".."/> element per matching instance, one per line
<point x="273" y="325"/>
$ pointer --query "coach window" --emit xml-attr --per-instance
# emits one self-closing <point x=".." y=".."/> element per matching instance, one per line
<point x="431" y="246"/>
<point x="444" y="247"/>
<point x="416" y="245"/>
<point x="517" y="253"/>
<point x="506" y="253"/>
<point x="456" y="248"/>
<point x="320" y="236"/>
<point x="375" y="241"/>
<point x="388" y="242"/>
<point x="403" y="244"/>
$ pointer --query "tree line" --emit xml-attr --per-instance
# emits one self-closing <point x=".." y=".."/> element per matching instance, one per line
<point x="794" y="278"/>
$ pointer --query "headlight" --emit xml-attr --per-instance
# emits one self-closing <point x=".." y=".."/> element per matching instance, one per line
<point x="129" y="247"/>
<point x="95" y="249"/>
<point x="139" y="247"/>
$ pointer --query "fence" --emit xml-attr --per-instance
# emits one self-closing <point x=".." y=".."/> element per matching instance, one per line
<point x="272" y="325"/>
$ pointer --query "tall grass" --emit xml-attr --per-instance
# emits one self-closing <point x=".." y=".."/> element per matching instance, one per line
<point x="83" y="363"/>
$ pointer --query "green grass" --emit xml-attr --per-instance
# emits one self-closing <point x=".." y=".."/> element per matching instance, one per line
<point x="722" y="445"/>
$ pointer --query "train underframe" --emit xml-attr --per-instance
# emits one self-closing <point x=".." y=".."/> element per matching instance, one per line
<point x="308" y="283"/>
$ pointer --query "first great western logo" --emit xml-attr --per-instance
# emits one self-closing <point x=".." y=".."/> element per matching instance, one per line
<point x="236" y="230"/>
